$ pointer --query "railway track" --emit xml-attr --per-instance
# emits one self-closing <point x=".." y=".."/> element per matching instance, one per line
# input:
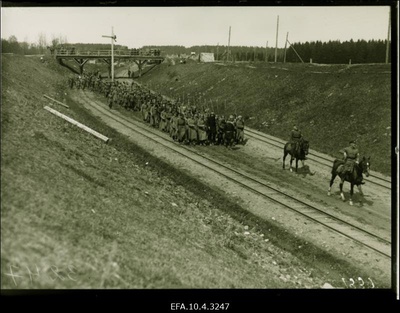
<point x="259" y="187"/>
<point x="314" y="156"/>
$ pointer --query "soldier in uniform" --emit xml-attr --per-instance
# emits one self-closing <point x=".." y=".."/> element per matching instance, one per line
<point x="221" y="123"/>
<point x="138" y="102"/>
<point x="131" y="100"/>
<point x="230" y="132"/>
<point x="163" y="119"/>
<point x="350" y="157"/>
<point x="212" y="128"/>
<point x="239" y="129"/>
<point x="107" y="89"/>
<point x="110" y="99"/>
<point x="78" y="82"/>
<point x="168" y="115"/>
<point x="181" y="128"/>
<point x="192" y="129"/>
<point x="202" y="130"/>
<point x="144" y="109"/>
<point x="295" y="136"/>
<point x="152" y="113"/>
<point x="173" y="127"/>
<point x="124" y="99"/>
<point x="116" y="98"/>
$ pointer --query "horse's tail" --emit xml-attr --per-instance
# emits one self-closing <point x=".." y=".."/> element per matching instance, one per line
<point x="286" y="148"/>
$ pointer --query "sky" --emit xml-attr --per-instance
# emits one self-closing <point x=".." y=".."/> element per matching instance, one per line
<point x="188" y="26"/>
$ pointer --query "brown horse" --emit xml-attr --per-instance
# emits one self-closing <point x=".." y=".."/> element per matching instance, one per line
<point x="299" y="154"/>
<point x="354" y="177"/>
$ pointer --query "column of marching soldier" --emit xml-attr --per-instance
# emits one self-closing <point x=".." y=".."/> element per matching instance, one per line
<point x="187" y="124"/>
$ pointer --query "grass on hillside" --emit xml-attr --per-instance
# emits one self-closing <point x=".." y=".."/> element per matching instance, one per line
<point x="330" y="104"/>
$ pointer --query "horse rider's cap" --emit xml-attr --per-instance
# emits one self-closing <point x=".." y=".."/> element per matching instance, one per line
<point x="295" y="128"/>
<point x="352" y="141"/>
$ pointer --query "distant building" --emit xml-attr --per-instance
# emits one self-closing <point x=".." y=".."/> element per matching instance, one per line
<point x="206" y="57"/>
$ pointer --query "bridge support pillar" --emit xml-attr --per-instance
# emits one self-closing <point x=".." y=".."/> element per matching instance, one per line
<point x="81" y="63"/>
<point x="61" y="62"/>
<point x="140" y="64"/>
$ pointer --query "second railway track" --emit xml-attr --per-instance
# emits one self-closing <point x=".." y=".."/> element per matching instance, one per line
<point x="263" y="188"/>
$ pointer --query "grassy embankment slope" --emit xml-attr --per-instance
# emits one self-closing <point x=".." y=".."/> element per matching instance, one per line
<point x="331" y="104"/>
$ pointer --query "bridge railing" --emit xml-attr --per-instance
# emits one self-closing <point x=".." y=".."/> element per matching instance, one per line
<point x="131" y="52"/>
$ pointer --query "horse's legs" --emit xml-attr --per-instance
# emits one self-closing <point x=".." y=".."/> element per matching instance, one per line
<point x="331" y="183"/>
<point x="341" y="190"/>
<point x="297" y="164"/>
<point x="284" y="158"/>
<point x="360" y="190"/>
<point x="302" y="163"/>
<point x="351" y="193"/>
<point x="291" y="160"/>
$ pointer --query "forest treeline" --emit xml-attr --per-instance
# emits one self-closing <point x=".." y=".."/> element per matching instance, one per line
<point x="336" y="52"/>
<point x="331" y="52"/>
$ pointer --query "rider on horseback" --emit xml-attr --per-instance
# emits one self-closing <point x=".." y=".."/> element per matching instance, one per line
<point x="295" y="137"/>
<point x="351" y="156"/>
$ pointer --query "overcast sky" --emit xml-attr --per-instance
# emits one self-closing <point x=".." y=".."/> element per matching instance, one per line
<point x="188" y="26"/>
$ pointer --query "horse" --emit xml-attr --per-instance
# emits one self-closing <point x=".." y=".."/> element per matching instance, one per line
<point x="354" y="177"/>
<point x="299" y="154"/>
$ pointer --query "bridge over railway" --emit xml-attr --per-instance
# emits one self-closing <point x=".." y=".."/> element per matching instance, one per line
<point x="81" y="57"/>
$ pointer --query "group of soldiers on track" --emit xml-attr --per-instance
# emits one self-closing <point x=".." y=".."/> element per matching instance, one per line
<point x="185" y="123"/>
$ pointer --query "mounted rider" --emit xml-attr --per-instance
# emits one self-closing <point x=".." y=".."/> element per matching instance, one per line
<point x="295" y="138"/>
<point x="351" y="156"/>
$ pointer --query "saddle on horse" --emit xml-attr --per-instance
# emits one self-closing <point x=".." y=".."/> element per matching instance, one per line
<point x="294" y="147"/>
<point x="345" y="166"/>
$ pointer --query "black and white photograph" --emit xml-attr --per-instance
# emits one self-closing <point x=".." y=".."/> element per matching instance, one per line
<point x="221" y="147"/>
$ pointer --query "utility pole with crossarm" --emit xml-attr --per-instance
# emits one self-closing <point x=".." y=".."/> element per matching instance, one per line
<point x="113" y="38"/>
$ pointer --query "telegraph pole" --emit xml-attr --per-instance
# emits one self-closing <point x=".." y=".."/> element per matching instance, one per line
<point x="387" y="42"/>
<point x="266" y="52"/>
<point x="284" y="58"/>
<point x="229" y="43"/>
<point x="276" y="44"/>
<point x="113" y="38"/>
<point x="295" y="51"/>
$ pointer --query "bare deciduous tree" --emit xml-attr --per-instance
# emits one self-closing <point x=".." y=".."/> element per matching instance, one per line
<point x="55" y="41"/>
<point x="42" y="42"/>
